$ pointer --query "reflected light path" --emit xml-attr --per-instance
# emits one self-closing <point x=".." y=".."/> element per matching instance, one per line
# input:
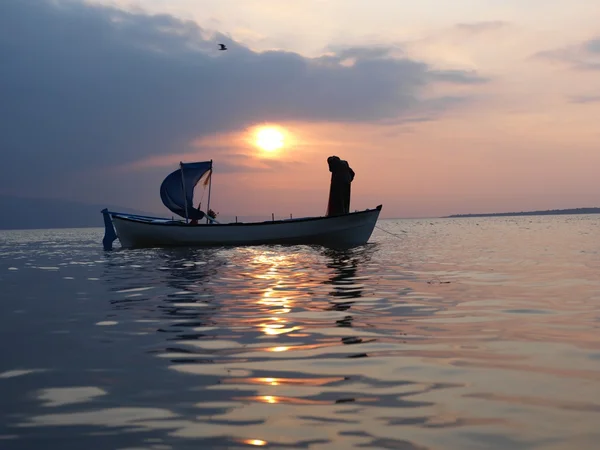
<point x="274" y="269"/>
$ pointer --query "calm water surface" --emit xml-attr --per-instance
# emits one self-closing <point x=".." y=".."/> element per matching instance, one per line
<point x="456" y="334"/>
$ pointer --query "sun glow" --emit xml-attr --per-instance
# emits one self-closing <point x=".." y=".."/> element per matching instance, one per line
<point x="269" y="139"/>
<point x="256" y="442"/>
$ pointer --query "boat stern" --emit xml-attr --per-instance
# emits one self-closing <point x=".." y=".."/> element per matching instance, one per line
<point x="110" y="235"/>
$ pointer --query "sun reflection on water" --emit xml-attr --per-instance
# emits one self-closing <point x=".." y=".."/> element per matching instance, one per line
<point x="273" y="300"/>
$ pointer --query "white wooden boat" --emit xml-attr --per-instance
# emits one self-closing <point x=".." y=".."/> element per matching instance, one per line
<point x="135" y="231"/>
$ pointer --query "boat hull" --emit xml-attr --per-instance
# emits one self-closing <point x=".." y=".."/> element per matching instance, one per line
<point x="348" y="230"/>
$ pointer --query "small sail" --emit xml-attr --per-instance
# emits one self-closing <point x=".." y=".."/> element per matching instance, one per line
<point x="177" y="190"/>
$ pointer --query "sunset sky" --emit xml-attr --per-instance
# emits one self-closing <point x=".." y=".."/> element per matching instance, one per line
<point x="439" y="107"/>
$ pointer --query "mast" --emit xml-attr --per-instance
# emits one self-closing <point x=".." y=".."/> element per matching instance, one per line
<point x="209" y="186"/>
<point x="184" y="193"/>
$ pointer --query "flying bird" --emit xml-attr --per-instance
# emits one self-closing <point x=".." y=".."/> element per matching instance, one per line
<point x="222" y="47"/>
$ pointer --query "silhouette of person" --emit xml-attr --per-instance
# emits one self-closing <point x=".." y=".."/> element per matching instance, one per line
<point x="339" y="191"/>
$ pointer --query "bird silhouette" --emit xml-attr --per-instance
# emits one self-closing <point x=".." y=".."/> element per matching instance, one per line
<point x="222" y="47"/>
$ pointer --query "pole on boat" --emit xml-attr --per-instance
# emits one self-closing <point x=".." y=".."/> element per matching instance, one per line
<point x="209" y="186"/>
<point x="184" y="194"/>
<point x="273" y="217"/>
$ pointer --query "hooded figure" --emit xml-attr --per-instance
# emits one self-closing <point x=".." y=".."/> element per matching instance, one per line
<point x="339" y="191"/>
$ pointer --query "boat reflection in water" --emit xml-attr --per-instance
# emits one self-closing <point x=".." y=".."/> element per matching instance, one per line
<point x="260" y="344"/>
<point x="244" y="320"/>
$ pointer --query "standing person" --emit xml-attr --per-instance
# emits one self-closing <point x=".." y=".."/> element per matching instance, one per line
<point x="339" y="190"/>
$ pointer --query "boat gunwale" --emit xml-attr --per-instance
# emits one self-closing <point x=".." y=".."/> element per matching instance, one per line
<point x="132" y="218"/>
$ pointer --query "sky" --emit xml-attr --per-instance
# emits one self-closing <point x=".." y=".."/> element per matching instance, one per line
<point x="484" y="106"/>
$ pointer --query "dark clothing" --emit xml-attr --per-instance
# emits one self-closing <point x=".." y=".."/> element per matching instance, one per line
<point x="339" y="191"/>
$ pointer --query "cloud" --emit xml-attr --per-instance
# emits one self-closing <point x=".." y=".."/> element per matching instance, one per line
<point x="86" y="86"/>
<point x="581" y="56"/>
<point x="583" y="99"/>
<point x="460" y="77"/>
<point x="235" y="162"/>
<point x="593" y="45"/>
<point x="482" y="27"/>
<point x="342" y="53"/>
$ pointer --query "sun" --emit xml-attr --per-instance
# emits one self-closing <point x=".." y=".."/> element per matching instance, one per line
<point x="269" y="139"/>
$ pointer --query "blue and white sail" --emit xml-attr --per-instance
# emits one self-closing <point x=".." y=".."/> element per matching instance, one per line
<point x="177" y="190"/>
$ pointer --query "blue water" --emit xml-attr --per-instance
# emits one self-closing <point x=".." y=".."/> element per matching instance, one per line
<point x="454" y="334"/>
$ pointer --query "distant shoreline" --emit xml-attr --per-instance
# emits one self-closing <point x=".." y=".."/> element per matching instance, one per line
<point x="549" y="212"/>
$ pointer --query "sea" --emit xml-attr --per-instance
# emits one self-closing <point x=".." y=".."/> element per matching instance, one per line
<point x="454" y="334"/>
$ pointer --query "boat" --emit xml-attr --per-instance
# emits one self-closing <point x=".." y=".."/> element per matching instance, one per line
<point x="199" y="229"/>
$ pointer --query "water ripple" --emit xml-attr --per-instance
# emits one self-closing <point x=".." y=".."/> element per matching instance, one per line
<point x="463" y="334"/>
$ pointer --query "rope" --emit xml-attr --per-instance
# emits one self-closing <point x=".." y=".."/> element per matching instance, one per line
<point x="386" y="231"/>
